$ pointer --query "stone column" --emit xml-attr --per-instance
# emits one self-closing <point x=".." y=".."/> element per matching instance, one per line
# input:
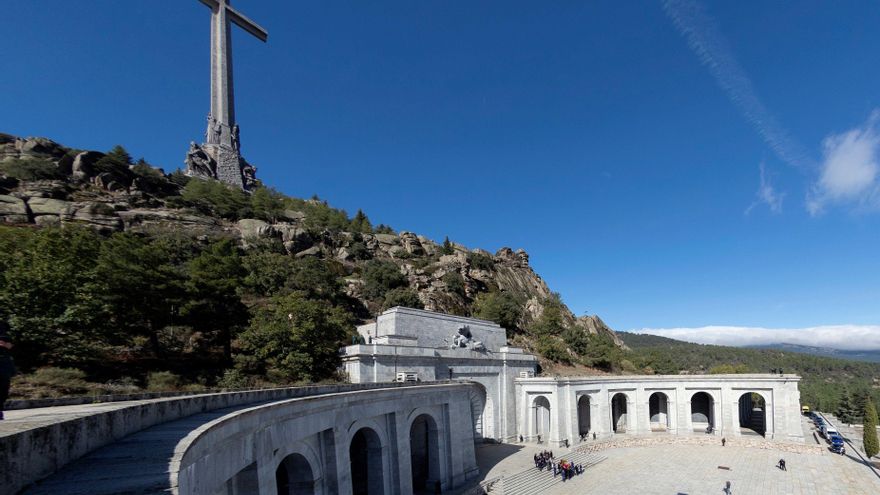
<point x="571" y="415"/>
<point x="687" y="423"/>
<point x="343" y="461"/>
<point x="631" y="415"/>
<point x="404" y="452"/>
<point x="604" y="422"/>
<point x="557" y="410"/>
<point x="643" y="410"/>
<point x="769" y="420"/>
<point x="595" y="415"/>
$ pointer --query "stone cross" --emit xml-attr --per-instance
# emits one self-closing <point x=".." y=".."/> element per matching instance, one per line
<point x="221" y="121"/>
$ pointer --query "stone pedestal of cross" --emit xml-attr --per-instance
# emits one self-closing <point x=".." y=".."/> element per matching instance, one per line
<point x="219" y="157"/>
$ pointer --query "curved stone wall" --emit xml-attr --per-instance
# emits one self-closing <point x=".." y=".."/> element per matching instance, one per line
<point x="246" y="451"/>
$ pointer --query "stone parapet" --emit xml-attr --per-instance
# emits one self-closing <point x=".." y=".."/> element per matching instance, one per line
<point x="30" y="451"/>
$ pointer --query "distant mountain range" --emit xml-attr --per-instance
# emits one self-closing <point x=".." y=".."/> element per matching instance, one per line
<point x="870" y="356"/>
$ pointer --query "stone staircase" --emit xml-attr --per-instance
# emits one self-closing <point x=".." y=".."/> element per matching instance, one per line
<point x="533" y="481"/>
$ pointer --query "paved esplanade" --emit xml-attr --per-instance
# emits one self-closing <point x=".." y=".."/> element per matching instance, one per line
<point x="694" y="470"/>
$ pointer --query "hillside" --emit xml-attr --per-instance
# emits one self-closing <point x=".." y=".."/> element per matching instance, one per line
<point x="145" y="257"/>
<point x="870" y="356"/>
<point x="825" y="380"/>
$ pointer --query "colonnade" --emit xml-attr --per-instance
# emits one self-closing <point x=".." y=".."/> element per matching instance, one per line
<point x="560" y="410"/>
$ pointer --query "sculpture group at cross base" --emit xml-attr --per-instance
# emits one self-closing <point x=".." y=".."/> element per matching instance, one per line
<point x="200" y="163"/>
<point x="214" y="133"/>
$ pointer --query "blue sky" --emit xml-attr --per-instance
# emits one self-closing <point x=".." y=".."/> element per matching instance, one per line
<point x="675" y="164"/>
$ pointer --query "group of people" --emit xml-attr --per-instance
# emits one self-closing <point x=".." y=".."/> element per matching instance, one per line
<point x="567" y="470"/>
<point x="561" y="467"/>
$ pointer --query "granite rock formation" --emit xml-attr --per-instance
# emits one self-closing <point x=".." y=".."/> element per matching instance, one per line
<point x="111" y="202"/>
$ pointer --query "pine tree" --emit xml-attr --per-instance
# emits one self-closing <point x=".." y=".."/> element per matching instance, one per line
<point x="845" y="410"/>
<point x="447" y="248"/>
<point x="360" y="223"/>
<point x="120" y="155"/>
<point x="869" y="438"/>
<point x="860" y="402"/>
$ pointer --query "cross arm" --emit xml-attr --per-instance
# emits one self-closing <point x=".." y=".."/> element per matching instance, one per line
<point x="238" y="18"/>
<point x="247" y="24"/>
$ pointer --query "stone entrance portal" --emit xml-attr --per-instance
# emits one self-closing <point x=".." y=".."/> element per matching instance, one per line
<point x="658" y="410"/>
<point x="618" y="413"/>
<point x="424" y="454"/>
<point x="365" y="453"/>
<point x="541" y="419"/>
<point x="752" y="414"/>
<point x="702" y="413"/>
<point x="584" y="416"/>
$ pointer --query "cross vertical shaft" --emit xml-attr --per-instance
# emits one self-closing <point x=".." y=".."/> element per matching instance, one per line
<point x="222" y="94"/>
<point x="219" y="157"/>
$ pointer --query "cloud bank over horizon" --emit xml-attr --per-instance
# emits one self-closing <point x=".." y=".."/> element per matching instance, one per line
<point x="841" y="337"/>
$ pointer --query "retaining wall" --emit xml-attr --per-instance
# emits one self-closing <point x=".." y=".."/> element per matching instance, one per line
<point x="32" y="454"/>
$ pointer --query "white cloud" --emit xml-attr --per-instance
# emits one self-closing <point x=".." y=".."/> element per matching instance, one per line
<point x="848" y="174"/>
<point x="707" y="42"/>
<point x="767" y="194"/>
<point x="843" y="337"/>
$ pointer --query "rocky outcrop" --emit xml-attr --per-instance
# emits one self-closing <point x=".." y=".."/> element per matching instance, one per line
<point x="13" y="210"/>
<point x="594" y="325"/>
<point x="12" y="147"/>
<point x="110" y="198"/>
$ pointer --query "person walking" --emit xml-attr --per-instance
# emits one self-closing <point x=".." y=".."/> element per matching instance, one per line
<point x="7" y="367"/>
<point x="727" y="488"/>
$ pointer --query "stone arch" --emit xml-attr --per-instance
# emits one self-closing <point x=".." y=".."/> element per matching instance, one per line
<point x="481" y="413"/>
<point x="702" y="411"/>
<point x="295" y="476"/>
<point x="366" y="462"/>
<point x="658" y="411"/>
<point x="584" y="419"/>
<point x="619" y="412"/>
<point x="752" y="413"/>
<point x="425" y="454"/>
<point x="541" y="422"/>
<point x="294" y="455"/>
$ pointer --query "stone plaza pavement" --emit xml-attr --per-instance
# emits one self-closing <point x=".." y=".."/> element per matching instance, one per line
<point x="694" y="470"/>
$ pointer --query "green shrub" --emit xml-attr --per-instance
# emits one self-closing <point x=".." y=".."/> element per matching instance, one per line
<point x="455" y="283"/>
<point x="481" y="261"/>
<point x="402" y="297"/>
<point x="380" y="277"/>
<point x="267" y="203"/>
<point x="500" y="307"/>
<point x="163" y="381"/>
<point x="552" y="349"/>
<point x="729" y="369"/>
<point x="233" y="379"/>
<point x="211" y="196"/>
<point x="30" y="169"/>
<point x="60" y="377"/>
